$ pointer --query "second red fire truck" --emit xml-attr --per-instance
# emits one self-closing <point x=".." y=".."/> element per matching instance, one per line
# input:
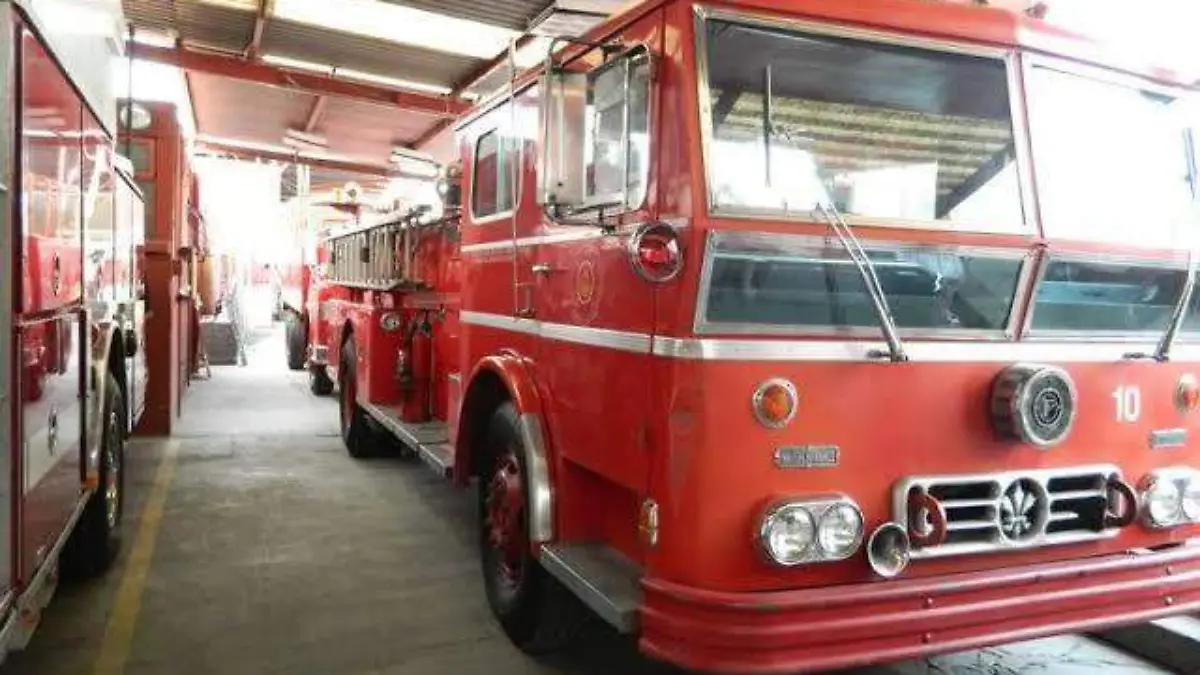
<point x="801" y="334"/>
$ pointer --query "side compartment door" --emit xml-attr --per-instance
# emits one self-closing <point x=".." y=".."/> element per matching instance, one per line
<point x="52" y="333"/>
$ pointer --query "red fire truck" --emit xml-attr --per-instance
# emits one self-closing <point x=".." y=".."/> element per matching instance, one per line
<point x="802" y="334"/>
<point x="72" y="379"/>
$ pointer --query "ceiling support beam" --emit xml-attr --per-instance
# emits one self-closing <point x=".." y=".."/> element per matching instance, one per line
<point x="260" y="24"/>
<point x="464" y="84"/>
<point x="446" y="107"/>
<point x="315" y="114"/>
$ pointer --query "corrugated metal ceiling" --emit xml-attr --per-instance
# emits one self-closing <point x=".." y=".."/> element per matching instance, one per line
<point x="196" y="23"/>
<point x="514" y="14"/>
<point x="239" y="110"/>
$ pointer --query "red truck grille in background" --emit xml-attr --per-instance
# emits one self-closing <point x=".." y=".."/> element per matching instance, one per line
<point x="1009" y="510"/>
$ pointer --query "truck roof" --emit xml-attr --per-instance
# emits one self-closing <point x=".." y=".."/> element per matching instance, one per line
<point x="947" y="20"/>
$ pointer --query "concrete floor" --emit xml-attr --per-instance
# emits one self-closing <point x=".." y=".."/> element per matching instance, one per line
<point x="255" y="545"/>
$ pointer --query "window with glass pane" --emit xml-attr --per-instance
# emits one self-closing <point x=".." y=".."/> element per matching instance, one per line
<point x="767" y="282"/>
<point x="1106" y="296"/>
<point x="618" y="127"/>
<point x="492" y="186"/>
<point x="1113" y="161"/>
<point x="881" y="131"/>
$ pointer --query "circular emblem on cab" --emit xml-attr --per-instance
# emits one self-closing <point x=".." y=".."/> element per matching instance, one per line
<point x="1034" y="404"/>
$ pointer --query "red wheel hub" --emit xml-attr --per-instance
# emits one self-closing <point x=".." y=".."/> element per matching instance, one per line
<point x="505" y="518"/>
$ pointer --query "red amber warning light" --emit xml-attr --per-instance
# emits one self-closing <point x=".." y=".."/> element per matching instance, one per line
<point x="1187" y="395"/>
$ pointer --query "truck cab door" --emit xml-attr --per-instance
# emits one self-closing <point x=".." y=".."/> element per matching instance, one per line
<point x="596" y="314"/>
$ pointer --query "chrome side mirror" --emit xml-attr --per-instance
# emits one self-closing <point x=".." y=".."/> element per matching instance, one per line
<point x="561" y="132"/>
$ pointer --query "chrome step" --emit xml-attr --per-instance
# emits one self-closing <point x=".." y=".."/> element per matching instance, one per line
<point x="439" y="457"/>
<point x="429" y="440"/>
<point x="606" y="581"/>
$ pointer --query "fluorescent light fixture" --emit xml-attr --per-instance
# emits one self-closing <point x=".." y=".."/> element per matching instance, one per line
<point x="397" y="23"/>
<point x="414" y="163"/>
<point x="297" y="64"/>
<point x="154" y="38"/>
<point x="304" y="140"/>
<point x="396" y="83"/>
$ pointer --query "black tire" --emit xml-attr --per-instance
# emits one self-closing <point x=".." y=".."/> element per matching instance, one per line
<point x="94" y="543"/>
<point x="356" y="433"/>
<point x="318" y="381"/>
<point x="538" y="614"/>
<point x="297" y="342"/>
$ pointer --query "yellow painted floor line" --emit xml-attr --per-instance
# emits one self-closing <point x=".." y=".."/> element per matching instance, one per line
<point x="122" y="621"/>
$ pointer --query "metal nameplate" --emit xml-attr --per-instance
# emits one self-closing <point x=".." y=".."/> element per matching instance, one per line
<point x="1168" y="438"/>
<point x="807" y="457"/>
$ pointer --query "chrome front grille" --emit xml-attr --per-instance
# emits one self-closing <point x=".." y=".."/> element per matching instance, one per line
<point x="1012" y="510"/>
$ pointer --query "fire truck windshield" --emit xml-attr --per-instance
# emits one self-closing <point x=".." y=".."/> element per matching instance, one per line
<point x="1113" y="160"/>
<point x="879" y="130"/>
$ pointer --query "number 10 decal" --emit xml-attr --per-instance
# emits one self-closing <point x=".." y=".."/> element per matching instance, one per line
<point x="1128" y="402"/>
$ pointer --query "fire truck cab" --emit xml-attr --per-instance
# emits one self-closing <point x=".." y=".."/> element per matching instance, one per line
<point x="72" y="374"/>
<point x="794" y="335"/>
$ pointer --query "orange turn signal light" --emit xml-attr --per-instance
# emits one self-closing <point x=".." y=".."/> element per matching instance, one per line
<point x="1187" y="394"/>
<point x="775" y="403"/>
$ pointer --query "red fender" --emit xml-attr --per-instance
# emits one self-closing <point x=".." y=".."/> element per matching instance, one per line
<point x="514" y="373"/>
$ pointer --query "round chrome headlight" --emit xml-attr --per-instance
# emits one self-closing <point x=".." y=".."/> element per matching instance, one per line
<point x="1190" y="499"/>
<point x="840" y="532"/>
<point x="390" y="322"/>
<point x="1164" y="503"/>
<point x="787" y="534"/>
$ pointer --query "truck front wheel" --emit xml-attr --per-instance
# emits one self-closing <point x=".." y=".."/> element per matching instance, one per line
<point x="537" y="613"/>
<point x="96" y="538"/>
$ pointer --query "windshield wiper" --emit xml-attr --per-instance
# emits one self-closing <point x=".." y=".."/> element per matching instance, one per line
<point x="866" y="270"/>
<point x="1162" y="353"/>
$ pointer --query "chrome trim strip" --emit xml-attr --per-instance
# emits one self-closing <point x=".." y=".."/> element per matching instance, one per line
<point x="718" y="349"/>
<point x="638" y="343"/>
<point x="541" y="495"/>
<point x="515" y="324"/>
<point x="627" y="341"/>
<point x="582" y="234"/>
<point x="704" y="14"/>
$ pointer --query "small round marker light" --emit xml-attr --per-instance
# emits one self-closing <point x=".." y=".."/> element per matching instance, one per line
<point x="1187" y="393"/>
<point x="889" y="550"/>
<point x="774" y="403"/>
<point x="655" y="253"/>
